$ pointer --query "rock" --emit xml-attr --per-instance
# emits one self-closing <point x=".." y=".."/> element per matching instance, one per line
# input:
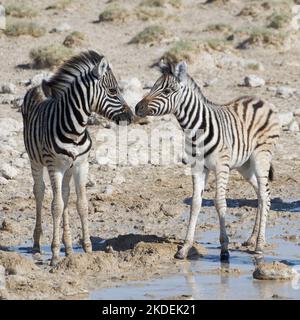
<point x="9" y="127"/>
<point x="271" y="89"/>
<point x="274" y="271"/>
<point x="7" y="99"/>
<point x="8" y="88"/>
<point x="284" y="92"/>
<point x="38" y="78"/>
<point x="118" y="179"/>
<point x="285" y="118"/>
<point x="61" y="28"/>
<point x="91" y="183"/>
<point x="297" y="112"/>
<point x="294" y="126"/>
<point x="254" y="81"/>
<point x="7" y="171"/>
<point x="3" y="181"/>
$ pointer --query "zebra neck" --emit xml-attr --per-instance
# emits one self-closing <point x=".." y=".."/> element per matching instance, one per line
<point x="192" y="109"/>
<point x="74" y="112"/>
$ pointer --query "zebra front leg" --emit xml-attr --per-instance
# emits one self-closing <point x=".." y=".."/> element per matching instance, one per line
<point x="67" y="237"/>
<point x="198" y="187"/>
<point x="222" y="175"/>
<point x="38" y="191"/>
<point x="80" y="178"/>
<point x="57" y="207"/>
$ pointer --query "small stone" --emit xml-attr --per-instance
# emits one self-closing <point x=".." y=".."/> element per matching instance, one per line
<point x="119" y="179"/>
<point x="284" y="92"/>
<point x="297" y="112"/>
<point x="8" y="88"/>
<point x="294" y="126"/>
<point x="90" y="183"/>
<point x="274" y="271"/>
<point x="285" y="118"/>
<point x="61" y="28"/>
<point x="7" y="171"/>
<point x="254" y="81"/>
<point x="3" y="181"/>
<point x="7" y="99"/>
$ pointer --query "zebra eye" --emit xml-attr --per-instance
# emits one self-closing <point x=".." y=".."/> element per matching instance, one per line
<point x="167" y="91"/>
<point x="113" y="91"/>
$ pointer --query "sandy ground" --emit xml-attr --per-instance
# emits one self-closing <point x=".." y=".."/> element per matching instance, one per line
<point x="141" y="211"/>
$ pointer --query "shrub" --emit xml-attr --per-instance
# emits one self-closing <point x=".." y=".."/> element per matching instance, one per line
<point x="74" y="39"/>
<point x="49" y="56"/>
<point x="113" y="12"/>
<point x="20" y="10"/>
<point x="150" y="34"/>
<point x="18" y="28"/>
<point x="181" y="50"/>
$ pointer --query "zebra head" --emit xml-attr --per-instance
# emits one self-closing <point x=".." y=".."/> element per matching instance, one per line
<point x="166" y="93"/>
<point x="109" y="101"/>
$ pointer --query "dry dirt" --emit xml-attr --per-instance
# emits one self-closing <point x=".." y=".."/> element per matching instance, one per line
<point x="144" y="216"/>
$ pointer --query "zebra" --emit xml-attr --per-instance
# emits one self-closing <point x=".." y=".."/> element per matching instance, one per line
<point x="55" y="117"/>
<point x="241" y="135"/>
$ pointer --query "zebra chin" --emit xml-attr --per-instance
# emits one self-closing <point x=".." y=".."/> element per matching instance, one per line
<point x="124" y="118"/>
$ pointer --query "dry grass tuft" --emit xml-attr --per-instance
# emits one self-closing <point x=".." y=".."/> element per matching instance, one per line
<point x="50" y="56"/>
<point x="74" y="39"/>
<point x="150" y="34"/>
<point x="219" y="27"/>
<point x="113" y="12"/>
<point x="279" y="20"/>
<point x="20" y="10"/>
<point x="60" y="5"/>
<point x="181" y="50"/>
<point x="161" y="3"/>
<point x="19" y="28"/>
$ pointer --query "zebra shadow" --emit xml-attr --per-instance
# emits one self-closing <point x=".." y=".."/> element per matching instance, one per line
<point x="124" y="242"/>
<point x="277" y="204"/>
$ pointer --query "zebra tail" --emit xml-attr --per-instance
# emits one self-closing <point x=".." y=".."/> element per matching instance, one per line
<point x="32" y="98"/>
<point x="271" y="173"/>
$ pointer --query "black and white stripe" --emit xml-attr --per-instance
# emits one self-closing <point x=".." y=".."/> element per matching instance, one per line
<point x="55" y="118"/>
<point x="239" y="135"/>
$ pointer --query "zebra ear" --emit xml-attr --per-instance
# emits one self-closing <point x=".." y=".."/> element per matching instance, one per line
<point x="100" y="68"/>
<point x="180" y="70"/>
<point x="164" y="67"/>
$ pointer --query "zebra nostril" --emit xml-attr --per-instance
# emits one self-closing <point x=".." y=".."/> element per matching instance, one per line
<point x="141" y="109"/>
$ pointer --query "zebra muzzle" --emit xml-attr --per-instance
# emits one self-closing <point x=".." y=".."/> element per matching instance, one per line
<point x="141" y="109"/>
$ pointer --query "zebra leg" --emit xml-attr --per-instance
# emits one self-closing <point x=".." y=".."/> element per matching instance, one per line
<point x="198" y="187"/>
<point x="67" y="237"/>
<point x="80" y="178"/>
<point x="222" y="175"/>
<point x="57" y="207"/>
<point x="38" y="191"/>
<point x="262" y="167"/>
<point x="249" y="174"/>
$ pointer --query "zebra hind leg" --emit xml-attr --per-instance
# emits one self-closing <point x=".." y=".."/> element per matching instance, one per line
<point x="67" y="237"/>
<point x="38" y="191"/>
<point x="248" y="172"/>
<point x="262" y="162"/>
<point x="222" y="175"/>
<point x="80" y="179"/>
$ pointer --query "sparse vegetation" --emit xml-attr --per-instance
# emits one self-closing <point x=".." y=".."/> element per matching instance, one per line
<point x="148" y="13"/>
<point x="20" y="10"/>
<point x="279" y="20"/>
<point x="74" y="39"/>
<point x="181" y="50"/>
<point x="113" y="12"/>
<point x="50" y="56"/>
<point x="149" y="35"/>
<point x="18" y="28"/>
<point x="219" y="27"/>
<point x="59" y="5"/>
<point x="161" y="3"/>
<point x="216" y="44"/>
<point x="250" y="11"/>
<point x="264" y="37"/>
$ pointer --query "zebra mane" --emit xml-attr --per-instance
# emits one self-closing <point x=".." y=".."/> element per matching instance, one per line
<point x="70" y="70"/>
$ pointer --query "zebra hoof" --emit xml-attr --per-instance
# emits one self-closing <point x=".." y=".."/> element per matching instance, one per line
<point x="87" y="248"/>
<point x="36" y="249"/>
<point x="224" y="256"/>
<point x="181" y="253"/>
<point x="259" y="251"/>
<point x="248" y="243"/>
<point x="54" y="262"/>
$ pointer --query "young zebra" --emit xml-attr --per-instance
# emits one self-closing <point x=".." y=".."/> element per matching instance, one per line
<point x="56" y="137"/>
<point x="239" y="135"/>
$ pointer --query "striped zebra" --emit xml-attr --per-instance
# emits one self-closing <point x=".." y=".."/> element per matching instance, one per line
<point x="56" y="137"/>
<point x="239" y="135"/>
